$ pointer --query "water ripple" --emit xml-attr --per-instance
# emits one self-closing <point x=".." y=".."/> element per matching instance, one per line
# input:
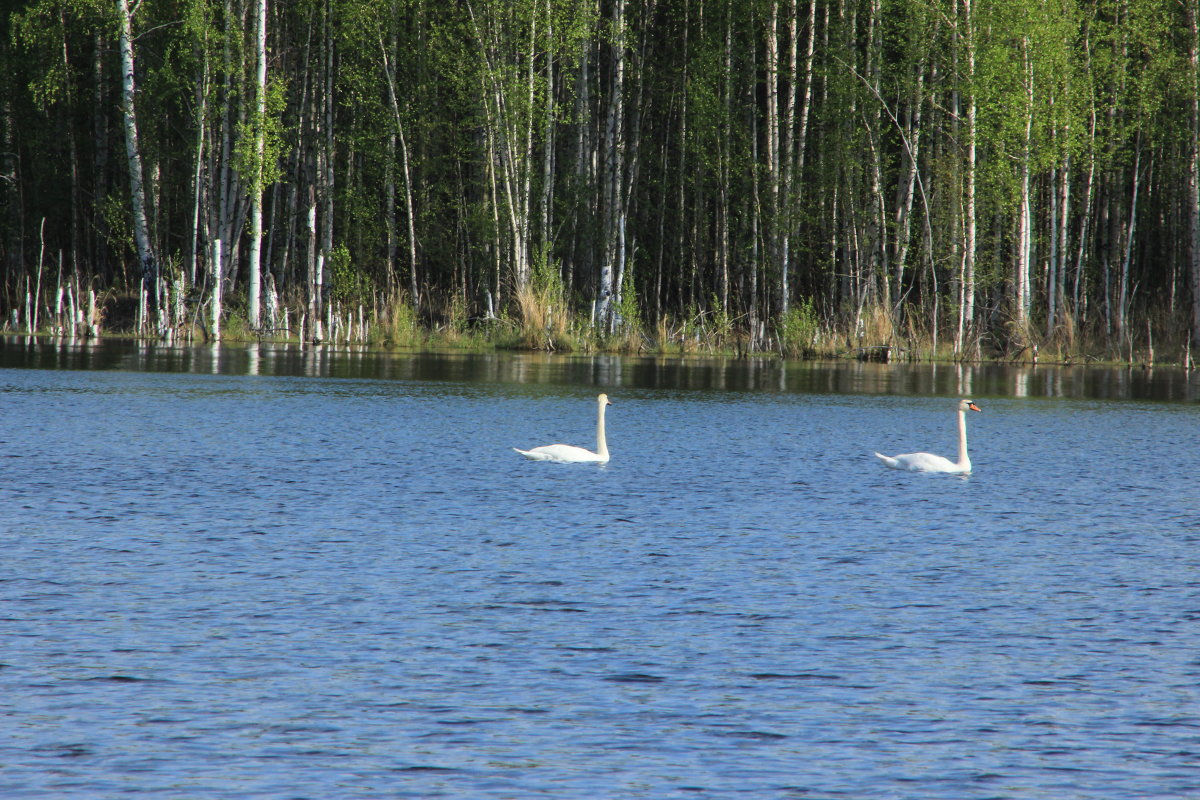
<point x="286" y="587"/>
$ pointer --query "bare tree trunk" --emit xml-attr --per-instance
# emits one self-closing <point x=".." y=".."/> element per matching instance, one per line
<point x="254" y="259"/>
<point x="72" y="148"/>
<point x="141" y="228"/>
<point x="408" y="192"/>
<point x="1064" y="215"/>
<point x="229" y="212"/>
<point x="790" y="191"/>
<point x="685" y="266"/>
<point x="906" y="190"/>
<point x="773" y="245"/>
<point x="966" y="307"/>
<point x="614" y="149"/>
<point x="726" y="154"/>
<point x="630" y="139"/>
<point x="1193" y="200"/>
<point x="328" y="152"/>
<point x="314" y="280"/>
<point x="546" y="199"/>
<point x="1024" y="244"/>
<point x="1082" y="252"/>
<point x="195" y="256"/>
<point x="876" y="234"/>
<point x="583" y="234"/>
<point x="100" y="154"/>
<point x="1127" y="256"/>
<point x="389" y="212"/>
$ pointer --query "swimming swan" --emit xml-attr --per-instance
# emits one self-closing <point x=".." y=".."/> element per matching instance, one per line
<point x="569" y="454"/>
<point x="927" y="462"/>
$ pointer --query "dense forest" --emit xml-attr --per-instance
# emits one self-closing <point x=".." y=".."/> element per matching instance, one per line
<point x="960" y="177"/>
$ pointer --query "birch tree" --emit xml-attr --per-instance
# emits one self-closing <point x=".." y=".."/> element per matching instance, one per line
<point x="965" y="38"/>
<point x="614" y="166"/>
<point x="1192" y="15"/>
<point x="147" y="262"/>
<point x="256" y="167"/>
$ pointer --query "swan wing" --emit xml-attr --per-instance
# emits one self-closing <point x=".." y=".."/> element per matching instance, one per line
<point x="922" y="462"/>
<point x="562" y="453"/>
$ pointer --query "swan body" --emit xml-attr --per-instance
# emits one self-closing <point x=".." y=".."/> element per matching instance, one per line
<point x="928" y="462"/>
<point x="570" y="454"/>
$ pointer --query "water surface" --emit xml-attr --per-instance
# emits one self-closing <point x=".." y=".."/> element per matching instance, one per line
<point x="328" y="575"/>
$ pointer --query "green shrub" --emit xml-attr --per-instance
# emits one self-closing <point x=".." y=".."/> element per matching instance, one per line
<point x="798" y="330"/>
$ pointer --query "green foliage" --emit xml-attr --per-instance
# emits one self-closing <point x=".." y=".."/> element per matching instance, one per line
<point x="41" y="31"/>
<point x="505" y="110"/>
<point x="347" y="282"/>
<point x="118" y="224"/>
<point x="546" y="279"/>
<point x="260" y="173"/>
<point x="627" y="308"/>
<point x="798" y="329"/>
<point x="721" y="323"/>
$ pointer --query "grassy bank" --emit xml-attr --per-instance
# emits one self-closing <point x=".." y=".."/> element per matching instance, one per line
<point x="541" y="320"/>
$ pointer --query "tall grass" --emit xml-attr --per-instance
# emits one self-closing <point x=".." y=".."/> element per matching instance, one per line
<point x="397" y="325"/>
<point x="545" y="319"/>
<point x="540" y="316"/>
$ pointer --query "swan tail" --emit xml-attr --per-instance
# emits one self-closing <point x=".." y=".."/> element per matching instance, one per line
<point x="888" y="460"/>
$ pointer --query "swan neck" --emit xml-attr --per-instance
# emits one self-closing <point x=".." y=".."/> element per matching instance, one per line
<point x="601" y="443"/>
<point x="963" y="460"/>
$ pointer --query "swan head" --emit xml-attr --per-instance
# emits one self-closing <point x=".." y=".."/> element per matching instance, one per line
<point x="604" y="401"/>
<point x="968" y="405"/>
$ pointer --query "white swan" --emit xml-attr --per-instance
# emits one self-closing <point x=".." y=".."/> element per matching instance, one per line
<point x="569" y="454"/>
<point x="927" y="462"/>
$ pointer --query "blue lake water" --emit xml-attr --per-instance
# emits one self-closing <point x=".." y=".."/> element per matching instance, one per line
<point x="270" y="573"/>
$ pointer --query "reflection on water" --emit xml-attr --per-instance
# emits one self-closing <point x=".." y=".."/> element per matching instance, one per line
<point x="762" y="374"/>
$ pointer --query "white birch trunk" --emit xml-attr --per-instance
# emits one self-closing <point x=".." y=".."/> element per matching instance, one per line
<point x="1193" y="201"/>
<point x="614" y="169"/>
<point x="319" y="334"/>
<point x="32" y="321"/>
<point x="1064" y="214"/>
<point x="1052" y="259"/>
<point x="72" y="312"/>
<point x="327" y="159"/>
<point x="93" y="322"/>
<point x="271" y="298"/>
<point x="216" y="291"/>
<point x="788" y="158"/>
<point x="254" y="257"/>
<point x="772" y="154"/>
<point x="966" y="306"/>
<point x="314" y="286"/>
<point x="141" y="227"/>
<point x="58" y="299"/>
<point x="1025" y="218"/>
